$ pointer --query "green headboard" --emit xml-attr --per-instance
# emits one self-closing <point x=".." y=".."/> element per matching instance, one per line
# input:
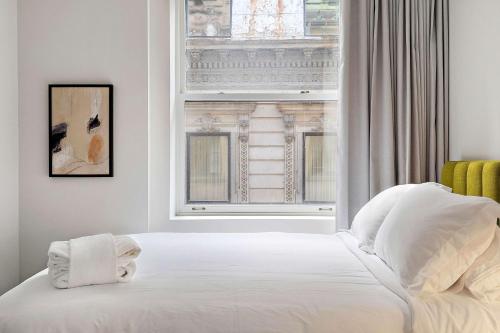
<point x="480" y="178"/>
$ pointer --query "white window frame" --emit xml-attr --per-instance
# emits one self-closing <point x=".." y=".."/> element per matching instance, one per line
<point x="178" y="96"/>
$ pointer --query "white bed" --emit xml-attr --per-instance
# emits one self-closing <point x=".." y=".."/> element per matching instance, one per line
<point x="265" y="282"/>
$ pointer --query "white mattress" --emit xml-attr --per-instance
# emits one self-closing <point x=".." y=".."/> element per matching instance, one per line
<point x="267" y="282"/>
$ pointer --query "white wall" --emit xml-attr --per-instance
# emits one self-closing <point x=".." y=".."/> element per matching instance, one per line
<point x="474" y="79"/>
<point x="89" y="41"/>
<point x="9" y="236"/>
<point x="159" y="107"/>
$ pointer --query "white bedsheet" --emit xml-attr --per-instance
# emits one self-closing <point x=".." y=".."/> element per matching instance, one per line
<point x="450" y="312"/>
<point x="267" y="282"/>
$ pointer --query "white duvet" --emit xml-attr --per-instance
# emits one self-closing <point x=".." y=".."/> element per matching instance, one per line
<point x="267" y="282"/>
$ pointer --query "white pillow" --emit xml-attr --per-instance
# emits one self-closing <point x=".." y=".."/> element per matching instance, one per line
<point x="431" y="237"/>
<point x="483" y="277"/>
<point x="370" y="217"/>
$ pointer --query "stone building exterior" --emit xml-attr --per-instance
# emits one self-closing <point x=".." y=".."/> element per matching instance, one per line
<point x="262" y="65"/>
<point x="267" y="147"/>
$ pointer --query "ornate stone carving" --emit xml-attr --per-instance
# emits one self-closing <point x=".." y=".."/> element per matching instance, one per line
<point x="308" y="55"/>
<point x="195" y="57"/>
<point x="208" y="123"/>
<point x="224" y="56"/>
<point x="289" y="172"/>
<point x="279" y="54"/>
<point x="252" y="54"/>
<point x="319" y="122"/>
<point x="289" y="121"/>
<point x="261" y="65"/>
<point x="243" y="162"/>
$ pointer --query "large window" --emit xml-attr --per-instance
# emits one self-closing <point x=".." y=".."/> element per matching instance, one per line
<point x="255" y="106"/>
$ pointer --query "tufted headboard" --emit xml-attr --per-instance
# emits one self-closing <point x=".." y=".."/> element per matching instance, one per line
<point x="480" y="178"/>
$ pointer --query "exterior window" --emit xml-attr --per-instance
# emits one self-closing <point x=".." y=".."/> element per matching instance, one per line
<point x="319" y="167"/>
<point x="208" y="18"/>
<point x="269" y="46"/>
<point x="255" y="106"/>
<point x="268" y="19"/>
<point x="321" y="17"/>
<point x="208" y="165"/>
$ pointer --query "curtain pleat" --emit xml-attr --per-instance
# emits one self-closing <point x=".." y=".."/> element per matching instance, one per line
<point x="393" y="122"/>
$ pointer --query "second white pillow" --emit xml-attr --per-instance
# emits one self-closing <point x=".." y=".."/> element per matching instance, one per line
<point x="431" y="237"/>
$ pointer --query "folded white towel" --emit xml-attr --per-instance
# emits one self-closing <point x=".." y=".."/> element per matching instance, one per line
<point x="91" y="260"/>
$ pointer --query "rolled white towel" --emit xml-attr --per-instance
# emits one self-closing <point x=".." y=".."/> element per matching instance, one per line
<point x="91" y="260"/>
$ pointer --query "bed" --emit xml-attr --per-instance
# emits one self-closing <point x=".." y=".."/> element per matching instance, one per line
<point x="260" y="282"/>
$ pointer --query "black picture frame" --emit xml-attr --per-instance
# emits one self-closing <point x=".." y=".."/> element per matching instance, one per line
<point x="110" y="129"/>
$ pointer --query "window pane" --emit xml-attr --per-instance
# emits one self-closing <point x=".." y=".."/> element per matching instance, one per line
<point x="266" y="47"/>
<point x="322" y="17"/>
<point x="267" y="151"/>
<point x="208" y="168"/>
<point x="319" y="168"/>
<point x="268" y="19"/>
<point x="208" y="18"/>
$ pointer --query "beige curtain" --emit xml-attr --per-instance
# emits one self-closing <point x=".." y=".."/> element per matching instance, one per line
<point x="393" y="122"/>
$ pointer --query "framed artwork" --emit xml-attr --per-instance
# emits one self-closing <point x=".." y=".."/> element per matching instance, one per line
<point x="80" y="130"/>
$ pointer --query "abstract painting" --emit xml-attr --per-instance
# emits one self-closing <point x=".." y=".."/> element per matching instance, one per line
<point x="80" y="130"/>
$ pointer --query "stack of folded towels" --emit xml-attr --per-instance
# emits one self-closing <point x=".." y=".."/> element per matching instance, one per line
<point x="92" y="260"/>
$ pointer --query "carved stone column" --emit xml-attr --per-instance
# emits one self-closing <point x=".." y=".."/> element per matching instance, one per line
<point x="289" y="158"/>
<point x="243" y="162"/>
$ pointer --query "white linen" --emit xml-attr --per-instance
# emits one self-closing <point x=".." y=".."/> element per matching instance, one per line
<point x="234" y="283"/>
<point x="455" y="313"/>
<point x="437" y="313"/>
<point x="98" y="259"/>
<point x="483" y="277"/>
<point x="267" y="282"/>
<point x="92" y="260"/>
<point x="370" y="217"/>
<point x="431" y="237"/>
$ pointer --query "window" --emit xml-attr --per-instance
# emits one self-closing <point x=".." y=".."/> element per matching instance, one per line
<point x="209" y="18"/>
<point x="208" y="167"/>
<point x="319" y="167"/>
<point x="255" y="106"/>
<point x="321" y="17"/>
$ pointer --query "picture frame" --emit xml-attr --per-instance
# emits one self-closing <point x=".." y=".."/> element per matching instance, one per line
<point x="81" y="130"/>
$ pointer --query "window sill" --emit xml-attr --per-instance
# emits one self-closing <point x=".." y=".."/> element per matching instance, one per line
<point x="248" y="224"/>
<point x="249" y="217"/>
